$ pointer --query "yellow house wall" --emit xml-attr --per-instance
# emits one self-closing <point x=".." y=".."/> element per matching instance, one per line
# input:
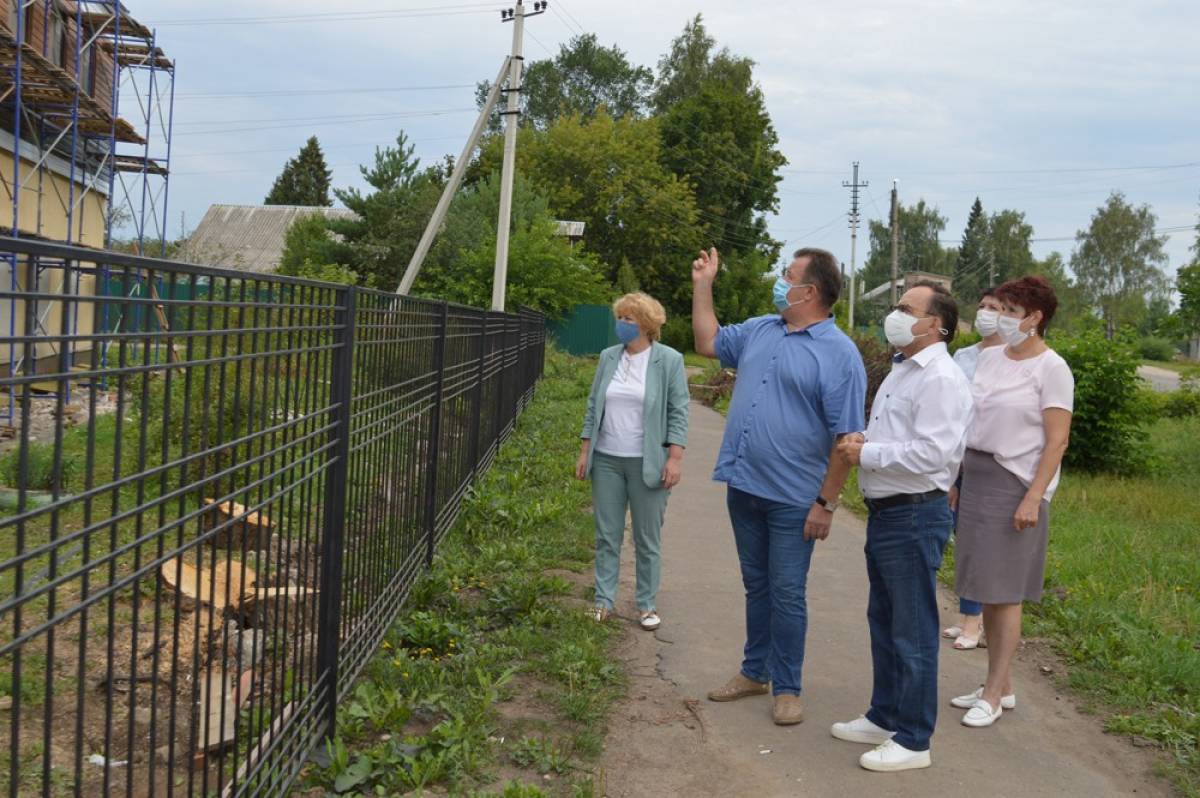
<point x="52" y="198"/>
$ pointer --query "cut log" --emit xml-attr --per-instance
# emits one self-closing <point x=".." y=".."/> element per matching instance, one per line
<point x="218" y="709"/>
<point x="240" y="529"/>
<point x="224" y="584"/>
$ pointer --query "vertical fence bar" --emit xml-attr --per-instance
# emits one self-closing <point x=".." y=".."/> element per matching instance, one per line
<point x="334" y="526"/>
<point x="269" y="404"/>
<point x="435" y="432"/>
<point x="477" y="403"/>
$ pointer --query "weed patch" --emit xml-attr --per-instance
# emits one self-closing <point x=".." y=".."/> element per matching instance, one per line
<point x="492" y="666"/>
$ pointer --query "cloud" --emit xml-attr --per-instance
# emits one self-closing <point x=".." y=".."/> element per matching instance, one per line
<point x="934" y="92"/>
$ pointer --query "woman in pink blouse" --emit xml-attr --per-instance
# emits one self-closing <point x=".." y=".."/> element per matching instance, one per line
<point x="1024" y="396"/>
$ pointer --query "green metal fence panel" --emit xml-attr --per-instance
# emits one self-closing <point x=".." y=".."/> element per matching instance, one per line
<point x="586" y="330"/>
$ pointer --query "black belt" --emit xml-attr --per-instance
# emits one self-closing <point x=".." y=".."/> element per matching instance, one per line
<point x="903" y="498"/>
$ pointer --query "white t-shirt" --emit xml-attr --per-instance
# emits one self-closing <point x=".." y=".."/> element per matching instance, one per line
<point x="622" y="429"/>
<point x="1010" y="396"/>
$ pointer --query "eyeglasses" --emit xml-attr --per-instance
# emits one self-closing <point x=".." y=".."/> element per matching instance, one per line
<point x="903" y="308"/>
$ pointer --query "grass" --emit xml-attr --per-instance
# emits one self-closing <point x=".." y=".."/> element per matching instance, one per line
<point x="1123" y="598"/>
<point x="1178" y="366"/>
<point x="698" y="360"/>
<point x="493" y="679"/>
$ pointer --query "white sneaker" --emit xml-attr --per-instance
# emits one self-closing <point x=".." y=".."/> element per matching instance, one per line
<point x="892" y="756"/>
<point x="982" y="715"/>
<point x="967" y="701"/>
<point x="861" y="730"/>
<point x="650" y="621"/>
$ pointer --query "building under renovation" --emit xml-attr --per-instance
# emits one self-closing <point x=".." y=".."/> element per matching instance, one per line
<point x="86" y="101"/>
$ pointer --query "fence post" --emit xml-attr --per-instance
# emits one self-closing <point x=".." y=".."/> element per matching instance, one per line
<point x="476" y="420"/>
<point x="334" y="524"/>
<point x="435" y="432"/>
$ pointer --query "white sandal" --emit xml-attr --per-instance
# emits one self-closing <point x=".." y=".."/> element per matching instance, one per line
<point x="982" y="714"/>
<point x="951" y="632"/>
<point x="964" y="643"/>
<point x="650" y="621"/>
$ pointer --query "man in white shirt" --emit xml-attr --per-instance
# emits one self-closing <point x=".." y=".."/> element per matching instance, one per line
<point x="908" y="459"/>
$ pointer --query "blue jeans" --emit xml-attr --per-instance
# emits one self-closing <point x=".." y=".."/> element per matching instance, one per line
<point x="774" y="557"/>
<point x="904" y="550"/>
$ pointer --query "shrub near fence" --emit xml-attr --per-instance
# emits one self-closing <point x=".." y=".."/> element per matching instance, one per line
<point x="235" y="487"/>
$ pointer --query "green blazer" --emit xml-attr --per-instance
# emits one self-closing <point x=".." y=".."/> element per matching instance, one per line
<point x="665" y="410"/>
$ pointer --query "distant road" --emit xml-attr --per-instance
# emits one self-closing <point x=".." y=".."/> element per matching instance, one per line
<point x="1160" y="379"/>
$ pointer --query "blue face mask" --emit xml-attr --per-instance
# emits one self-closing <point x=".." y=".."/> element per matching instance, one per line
<point x="780" y="294"/>
<point x="627" y="331"/>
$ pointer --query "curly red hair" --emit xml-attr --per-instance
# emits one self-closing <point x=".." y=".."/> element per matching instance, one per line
<point x="1031" y="293"/>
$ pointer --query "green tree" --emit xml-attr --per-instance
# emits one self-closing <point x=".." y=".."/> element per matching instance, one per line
<point x="1118" y="261"/>
<point x="308" y="241"/>
<point x="304" y="179"/>
<point x="1009" y="251"/>
<point x="544" y="272"/>
<point x="718" y="136"/>
<point x="1187" y="283"/>
<point x="607" y="173"/>
<point x="1073" y="312"/>
<point x="921" y="226"/>
<point x="971" y="265"/>
<point x="390" y="218"/>
<point x="582" y="78"/>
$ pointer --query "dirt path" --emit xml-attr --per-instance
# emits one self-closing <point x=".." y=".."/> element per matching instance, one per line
<point x="1160" y="379"/>
<point x="659" y="746"/>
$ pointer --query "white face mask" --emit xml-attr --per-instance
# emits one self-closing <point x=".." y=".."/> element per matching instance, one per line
<point x="985" y="322"/>
<point x="898" y="328"/>
<point x="1010" y="330"/>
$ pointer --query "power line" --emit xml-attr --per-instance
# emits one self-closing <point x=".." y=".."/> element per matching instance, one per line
<point x="575" y="31"/>
<point x="303" y="92"/>
<point x="1158" y="231"/>
<point x="294" y="148"/>
<point x="377" y="118"/>
<point x="336" y="16"/>
<point x="568" y="12"/>
<point x="325" y="117"/>
<point x="1186" y="165"/>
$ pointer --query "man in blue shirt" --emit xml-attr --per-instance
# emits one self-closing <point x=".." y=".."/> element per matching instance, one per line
<point x="801" y="385"/>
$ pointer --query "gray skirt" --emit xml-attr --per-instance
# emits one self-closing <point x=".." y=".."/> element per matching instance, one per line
<point x="993" y="562"/>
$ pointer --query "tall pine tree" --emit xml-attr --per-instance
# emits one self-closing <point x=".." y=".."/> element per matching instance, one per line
<point x="971" y="267"/>
<point x="304" y="179"/>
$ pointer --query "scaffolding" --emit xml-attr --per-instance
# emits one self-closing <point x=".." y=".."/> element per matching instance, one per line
<point x="86" y="110"/>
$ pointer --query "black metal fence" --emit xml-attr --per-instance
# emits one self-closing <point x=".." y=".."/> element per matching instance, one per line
<point x="217" y="489"/>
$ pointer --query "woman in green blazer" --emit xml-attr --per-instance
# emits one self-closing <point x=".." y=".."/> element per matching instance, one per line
<point x="634" y="433"/>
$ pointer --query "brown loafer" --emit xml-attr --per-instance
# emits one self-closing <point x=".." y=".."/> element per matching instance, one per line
<point x="738" y="687"/>
<point x="787" y="710"/>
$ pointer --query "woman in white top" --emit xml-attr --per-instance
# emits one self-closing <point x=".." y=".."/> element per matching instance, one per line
<point x="634" y="433"/>
<point x="1024" y="398"/>
<point x="968" y="633"/>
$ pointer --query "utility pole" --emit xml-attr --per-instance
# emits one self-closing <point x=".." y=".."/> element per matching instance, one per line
<point x="854" y="186"/>
<point x="511" y="66"/>
<point x="895" y="238"/>
<point x="511" y="115"/>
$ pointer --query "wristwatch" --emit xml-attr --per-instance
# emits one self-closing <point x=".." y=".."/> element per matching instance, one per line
<point x="828" y="505"/>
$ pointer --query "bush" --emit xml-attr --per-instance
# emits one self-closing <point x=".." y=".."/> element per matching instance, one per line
<point x="1107" y="430"/>
<point x="1182" y="403"/>
<point x="878" y="361"/>
<point x="1152" y="347"/>
<point x="40" y="471"/>
<point x="963" y="340"/>
<point x="677" y="333"/>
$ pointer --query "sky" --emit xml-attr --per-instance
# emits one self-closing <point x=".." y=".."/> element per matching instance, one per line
<point x="1041" y="107"/>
